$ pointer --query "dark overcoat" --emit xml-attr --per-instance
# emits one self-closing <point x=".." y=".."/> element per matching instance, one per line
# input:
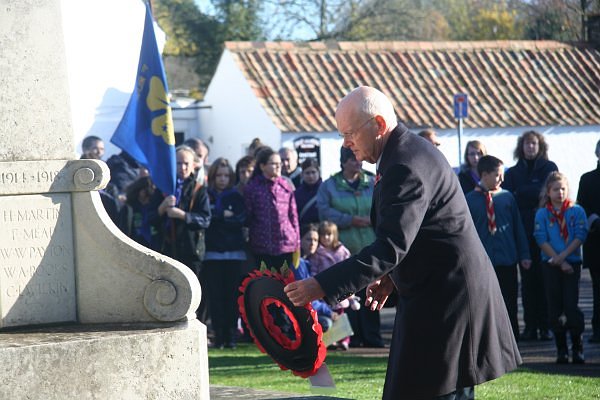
<point x="588" y="197"/>
<point x="452" y="329"/>
<point x="525" y="184"/>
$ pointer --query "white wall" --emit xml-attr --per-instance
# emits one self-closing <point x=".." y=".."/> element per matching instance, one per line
<point x="186" y="121"/>
<point x="103" y="41"/>
<point x="236" y="116"/>
<point x="571" y="148"/>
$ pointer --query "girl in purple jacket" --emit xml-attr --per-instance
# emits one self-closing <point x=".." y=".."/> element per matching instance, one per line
<point x="272" y="217"/>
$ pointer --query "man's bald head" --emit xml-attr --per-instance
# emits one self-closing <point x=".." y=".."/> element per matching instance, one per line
<point x="365" y="102"/>
<point x="364" y="118"/>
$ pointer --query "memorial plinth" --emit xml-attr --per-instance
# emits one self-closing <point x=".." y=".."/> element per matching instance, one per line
<point x="85" y="312"/>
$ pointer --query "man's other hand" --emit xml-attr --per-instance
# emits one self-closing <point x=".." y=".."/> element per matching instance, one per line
<point x="303" y="292"/>
<point x="378" y="293"/>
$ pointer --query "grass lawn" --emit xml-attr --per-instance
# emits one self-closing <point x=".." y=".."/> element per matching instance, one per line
<point x="359" y="377"/>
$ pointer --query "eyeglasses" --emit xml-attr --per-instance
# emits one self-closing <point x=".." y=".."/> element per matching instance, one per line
<point x="349" y="135"/>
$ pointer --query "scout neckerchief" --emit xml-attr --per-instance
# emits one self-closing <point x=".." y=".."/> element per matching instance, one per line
<point x="489" y="208"/>
<point x="560" y="217"/>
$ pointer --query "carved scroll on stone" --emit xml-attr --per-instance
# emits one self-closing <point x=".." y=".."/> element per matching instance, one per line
<point x="64" y="260"/>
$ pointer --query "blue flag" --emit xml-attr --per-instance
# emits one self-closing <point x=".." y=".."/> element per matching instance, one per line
<point x="146" y="129"/>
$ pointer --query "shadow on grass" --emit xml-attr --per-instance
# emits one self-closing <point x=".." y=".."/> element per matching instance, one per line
<point x="239" y="361"/>
<point x="582" y="370"/>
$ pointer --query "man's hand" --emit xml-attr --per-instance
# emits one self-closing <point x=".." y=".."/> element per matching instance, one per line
<point x="526" y="263"/>
<point x="303" y="292"/>
<point x="378" y="293"/>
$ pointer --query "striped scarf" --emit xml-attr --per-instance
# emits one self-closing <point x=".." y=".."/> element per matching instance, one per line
<point x="560" y="217"/>
<point x="489" y="210"/>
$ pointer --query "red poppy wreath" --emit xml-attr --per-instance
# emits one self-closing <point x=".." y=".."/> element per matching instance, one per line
<point x="290" y="335"/>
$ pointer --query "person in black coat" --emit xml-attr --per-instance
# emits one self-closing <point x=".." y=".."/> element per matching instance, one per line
<point x="186" y="215"/>
<point x="588" y="197"/>
<point x="124" y="169"/>
<point x="467" y="174"/>
<point x="306" y="193"/>
<point x="452" y="330"/>
<point x="225" y="251"/>
<point x="525" y="180"/>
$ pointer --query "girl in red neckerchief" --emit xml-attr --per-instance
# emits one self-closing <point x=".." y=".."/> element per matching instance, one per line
<point x="560" y="230"/>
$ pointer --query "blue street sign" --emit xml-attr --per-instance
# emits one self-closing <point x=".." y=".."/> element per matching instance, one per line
<point x="461" y="106"/>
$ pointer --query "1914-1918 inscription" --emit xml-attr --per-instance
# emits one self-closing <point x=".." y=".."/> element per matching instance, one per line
<point x="37" y="279"/>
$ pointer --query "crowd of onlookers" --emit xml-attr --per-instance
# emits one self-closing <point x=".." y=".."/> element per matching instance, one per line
<point x="225" y="219"/>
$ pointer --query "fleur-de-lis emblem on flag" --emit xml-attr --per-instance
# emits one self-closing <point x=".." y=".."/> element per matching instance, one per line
<point x="162" y="125"/>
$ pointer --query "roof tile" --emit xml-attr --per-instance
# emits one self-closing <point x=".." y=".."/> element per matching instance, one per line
<point x="509" y="83"/>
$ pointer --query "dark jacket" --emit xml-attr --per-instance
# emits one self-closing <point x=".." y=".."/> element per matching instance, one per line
<point x="296" y="177"/>
<point x="466" y="179"/>
<point x="304" y="194"/>
<point x="526" y="184"/>
<point x="184" y="240"/>
<point x="588" y="197"/>
<point x="142" y="223"/>
<point x="124" y="169"/>
<point x="225" y="233"/>
<point x="452" y="329"/>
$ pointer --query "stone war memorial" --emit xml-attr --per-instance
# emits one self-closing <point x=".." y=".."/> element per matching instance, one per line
<point x="85" y="312"/>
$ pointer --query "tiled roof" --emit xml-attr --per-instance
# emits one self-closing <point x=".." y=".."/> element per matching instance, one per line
<point x="509" y="83"/>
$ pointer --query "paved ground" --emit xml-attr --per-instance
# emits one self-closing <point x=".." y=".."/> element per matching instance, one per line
<point x="537" y="355"/>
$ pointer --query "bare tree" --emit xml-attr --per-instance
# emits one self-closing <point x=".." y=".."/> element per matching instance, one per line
<point x="304" y="19"/>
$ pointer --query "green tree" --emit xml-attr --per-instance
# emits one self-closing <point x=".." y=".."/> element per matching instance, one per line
<point x="457" y="16"/>
<point x="497" y="23"/>
<point x="191" y="36"/>
<point x="240" y="20"/>
<point x="196" y="39"/>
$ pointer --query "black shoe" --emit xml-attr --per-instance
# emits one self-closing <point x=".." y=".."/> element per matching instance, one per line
<point x="562" y="357"/>
<point x="545" y="335"/>
<point x="230" y="345"/>
<point x="595" y="338"/>
<point x="528" y="334"/>
<point x="578" y="357"/>
<point x="376" y="345"/>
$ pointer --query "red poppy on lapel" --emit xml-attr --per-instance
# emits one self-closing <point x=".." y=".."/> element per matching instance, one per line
<point x="377" y="178"/>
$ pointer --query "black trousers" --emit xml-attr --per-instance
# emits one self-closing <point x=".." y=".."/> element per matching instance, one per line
<point x="222" y="282"/>
<point x="595" y="274"/>
<point x="467" y="393"/>
<point x="533" y="294"/>
<point x="366" y="325"/>
<point x="509" y="286"/>
<point x="198" y="268"/>
<point x="562" y="291"/>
